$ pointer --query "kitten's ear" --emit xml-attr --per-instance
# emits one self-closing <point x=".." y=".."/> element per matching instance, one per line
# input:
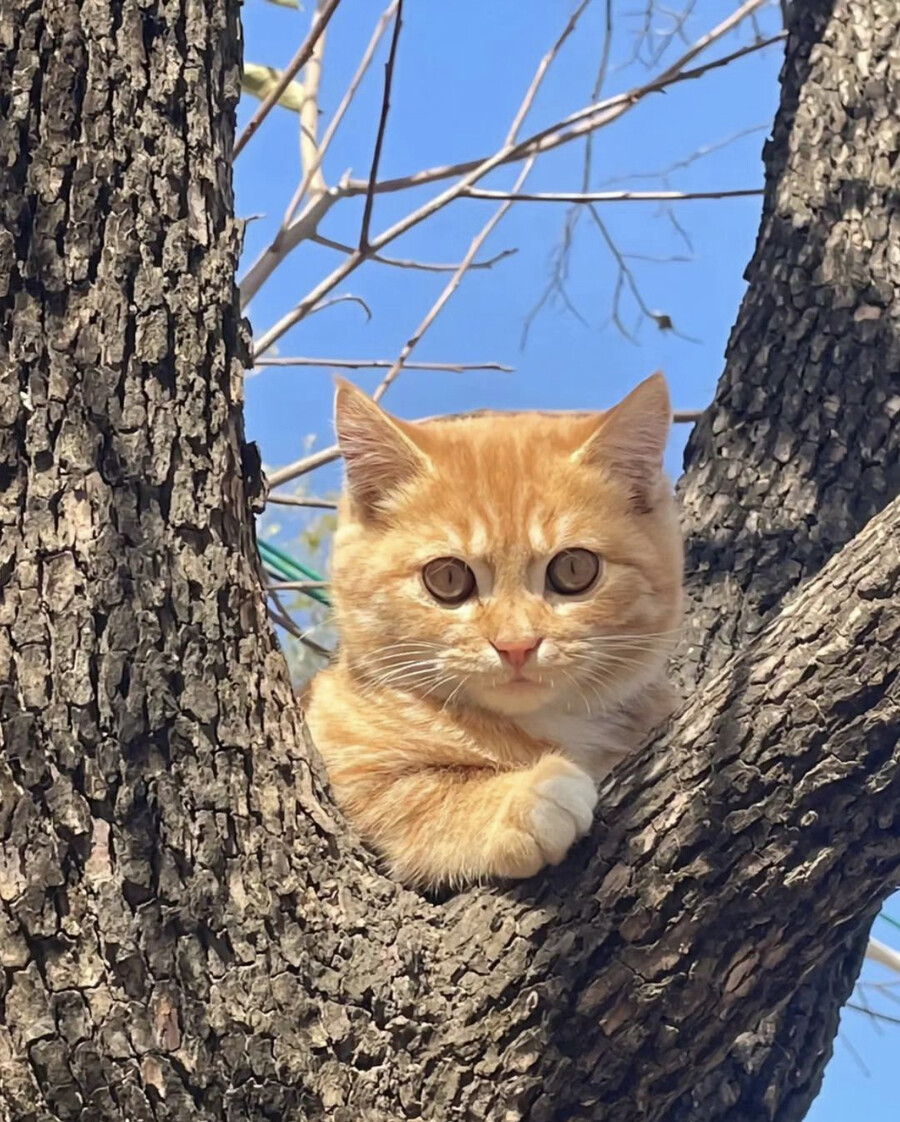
<point x="631" y="439"/>
<point x="378" y="455"/>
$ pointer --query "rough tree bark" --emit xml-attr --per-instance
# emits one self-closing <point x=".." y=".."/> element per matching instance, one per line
<point x="186" y="929"/>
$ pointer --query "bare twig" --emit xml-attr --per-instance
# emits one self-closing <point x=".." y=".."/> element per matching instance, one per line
<point x="562" y="260"/>
<point x="319" y="23"/>
<point x="308" y="181"/>
<point x="406" y="263"/>
<point x="284" y="242"/>
<point x="384" y="364"/>
<point x="382" y="125"/>
<point x="609" y="196"/>
<point x="295" y="585"/>
<point x="296" y="500"/>
<point x="345" y="298"/>
<point x="540" y="73"/>
<point x="624" y="277"/>
<point x="578" y="124"/>
<point x="327" y="455"/>
<point x="592" y="117"/>
<point x="876" y="1016"/>
<point x="291" y="231"/>
<point x="485" y="232"/>
<point x="280" y="616"/>
<point x="303" y="467"/>
<point x="309" y="114"/>
<point x="663" y="174"/>
<point x="448" y="290"/>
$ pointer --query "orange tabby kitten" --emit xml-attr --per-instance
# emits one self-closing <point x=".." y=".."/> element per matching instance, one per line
<point x="507" y="590"/>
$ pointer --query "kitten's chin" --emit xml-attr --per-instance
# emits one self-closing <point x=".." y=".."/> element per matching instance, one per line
<point x="512" y="698"/>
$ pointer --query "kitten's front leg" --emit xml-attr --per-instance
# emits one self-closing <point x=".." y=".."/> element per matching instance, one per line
<point x="553" y="807"/>
<point x="446" y="825"/>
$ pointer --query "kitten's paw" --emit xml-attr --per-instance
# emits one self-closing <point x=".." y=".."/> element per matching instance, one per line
<point x="563" y="809"/>
<point x="555" y="809"/>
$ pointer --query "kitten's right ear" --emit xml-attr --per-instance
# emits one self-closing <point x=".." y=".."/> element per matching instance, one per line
<point x="631" y="440"/>
<point x="379" y="457"/>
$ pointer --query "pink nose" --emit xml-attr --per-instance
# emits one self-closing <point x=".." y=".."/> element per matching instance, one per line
<point x="516" y="653"/>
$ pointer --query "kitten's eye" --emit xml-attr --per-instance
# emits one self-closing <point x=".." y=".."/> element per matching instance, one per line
<point x="449" y="580"/>
<point x="573" y="571"/>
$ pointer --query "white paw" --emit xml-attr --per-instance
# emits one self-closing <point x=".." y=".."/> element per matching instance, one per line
<point x="563" y="811"/>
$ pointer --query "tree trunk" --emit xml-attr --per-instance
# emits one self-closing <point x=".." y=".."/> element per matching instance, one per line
<point x="187" y="931"/>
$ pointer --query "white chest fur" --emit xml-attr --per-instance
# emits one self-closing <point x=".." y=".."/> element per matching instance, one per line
<point x="595" y="743"/>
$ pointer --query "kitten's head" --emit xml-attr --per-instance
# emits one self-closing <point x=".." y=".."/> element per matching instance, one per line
<point x="514" y="562"/>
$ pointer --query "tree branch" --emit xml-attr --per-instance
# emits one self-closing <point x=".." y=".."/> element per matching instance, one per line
<point x="293" y="231"/>
<point x="320" y="21"/>
<point x="578" y="124"/>
<point x="382" y="125"/>
<point x="451" y="286"/>
<point x="584" y="121"/>
<point x="609" y="196"/>
<point x="310" y="156"/>
<point x="297" y="500"/>
<point x="312" y="170"/>
<point x="408" y="263"/>
<point x="384" y="363"/>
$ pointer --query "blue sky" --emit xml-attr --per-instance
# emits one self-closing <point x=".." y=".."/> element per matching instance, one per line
<point x="462" y="69"/>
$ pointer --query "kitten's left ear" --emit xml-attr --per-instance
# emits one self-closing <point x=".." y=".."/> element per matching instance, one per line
<point x="631" y="439"/>
<point x="378" y="455"/>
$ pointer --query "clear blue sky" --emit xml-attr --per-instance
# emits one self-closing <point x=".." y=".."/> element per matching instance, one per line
<point x="462" y="69"/>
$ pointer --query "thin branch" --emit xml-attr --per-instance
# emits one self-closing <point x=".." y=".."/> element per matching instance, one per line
<point x="406" y="263"/>
<point x="296" y="585"/>
<point x="295" y="500"/>
<point x="609" y="196"/>
<point x="292" y="232"/>
<point x="309" y="114"/>
<point x="304" y="466"/>
<point x="562" y="258"/>
<point x="319" y="23"/>
<point x="382" y="125"/>
<point x="539" y="74"/>
<point x="284" y="242"/>
<point x="448" y="291"/>
<point x="280" y="616"/>
<point x="345" y="298"/>
<point x="664" y="174"/>
<point x="578" y="124"/>
<point x="625" y="277"/>
<point x="590" y="118"/>
<point x="355" y="259"/>
<point x="874" y="1014"/>
<point x="333" y="125"/>
<point x="485" y="232"/>
<point x="384" y="364"/>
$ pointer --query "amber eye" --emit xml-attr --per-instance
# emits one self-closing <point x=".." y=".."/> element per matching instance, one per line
<point x="573" y="571"/>
<point x="449" y="580"/>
